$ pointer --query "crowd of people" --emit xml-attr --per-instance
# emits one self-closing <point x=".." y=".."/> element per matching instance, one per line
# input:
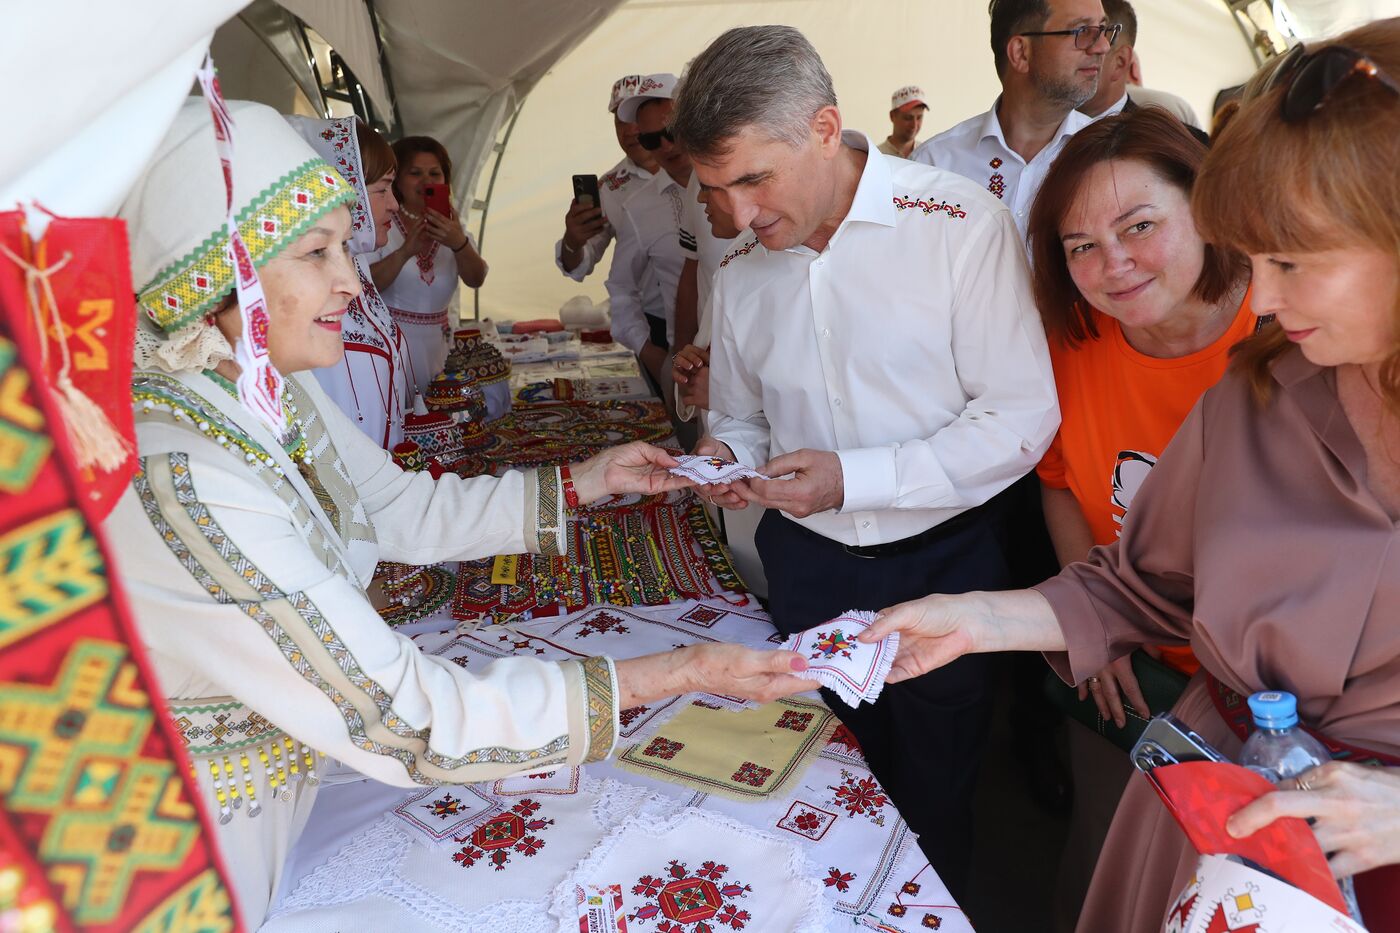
<point x="1074" y="312"/>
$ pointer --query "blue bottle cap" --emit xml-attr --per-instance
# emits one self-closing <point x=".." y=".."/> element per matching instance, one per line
<point x="1274" y="709"/>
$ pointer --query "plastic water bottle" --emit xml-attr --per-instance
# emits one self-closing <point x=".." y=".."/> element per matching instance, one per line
<point x="1280" y="750"/>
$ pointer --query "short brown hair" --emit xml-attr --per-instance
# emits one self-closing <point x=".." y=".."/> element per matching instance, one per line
<point x="1147" y="135"/>
<point x="408" y="147"/>
<point x="1324" y="182"/>
<point x="376" y="156"/>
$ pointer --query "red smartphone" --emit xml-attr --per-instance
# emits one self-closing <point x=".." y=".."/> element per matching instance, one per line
<point x="437" y="198"/>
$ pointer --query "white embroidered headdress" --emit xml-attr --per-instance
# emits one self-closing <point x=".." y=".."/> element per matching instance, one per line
<point x="176" y="217"/>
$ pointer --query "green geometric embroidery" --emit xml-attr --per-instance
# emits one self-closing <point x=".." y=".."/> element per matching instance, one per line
<point x="47" y="732"/>
<point x="95" y="853"/>
<point x="49" y="569"/>
<point x="24" y="448"/>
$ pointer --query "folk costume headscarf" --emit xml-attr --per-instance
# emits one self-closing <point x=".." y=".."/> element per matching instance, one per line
<point x="371" y="384"/>
<point x="182" y="264"/>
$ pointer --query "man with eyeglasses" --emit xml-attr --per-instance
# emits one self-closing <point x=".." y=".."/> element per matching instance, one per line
<point x="1114" y="94"/>
<point x="648" y="234"/>
<point x="1048" y="54"/>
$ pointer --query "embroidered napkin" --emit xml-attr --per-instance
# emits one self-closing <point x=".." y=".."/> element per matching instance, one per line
<point x="708" y="470"/>
<point x="697" y="871"/>
<point x="854" y="670"/>
<point x="743" y="756"/>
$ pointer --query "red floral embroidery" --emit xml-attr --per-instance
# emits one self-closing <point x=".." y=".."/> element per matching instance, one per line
<point x="929" y="207"/>
<point x="447" y="806"/>
<point x="741" y="251"/>
<point x="662" y="748"/>
<point x="844" y="737"/>
<point x="911" y="888"/>
<point x="995" y="163"/>
<point x="838" y="879"/>
<point x="860" y="796"/>
<point x="601" y="624"/>
<point x="682" y="902"/>
<point x="808" y="821"/>
<point x="495" y="840"/>
<point x="752" y="774"/>
<point x="792" y="719"/>
<point x="997" y="185"/>
<point x="933" y="922"/>
<point x="829" y="646"/>
<point x="629" y="716"/>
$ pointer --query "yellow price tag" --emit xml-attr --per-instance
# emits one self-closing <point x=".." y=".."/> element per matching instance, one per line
<point x="504" y="569"/>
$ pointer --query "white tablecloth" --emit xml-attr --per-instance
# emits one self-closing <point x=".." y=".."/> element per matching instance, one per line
<point x="375" y="857"/>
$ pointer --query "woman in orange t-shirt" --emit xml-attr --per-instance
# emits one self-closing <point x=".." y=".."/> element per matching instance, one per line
<point x="1141" y="315"/>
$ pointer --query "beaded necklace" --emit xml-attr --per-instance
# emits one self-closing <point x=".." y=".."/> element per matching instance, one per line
<point x="292" y="437"/>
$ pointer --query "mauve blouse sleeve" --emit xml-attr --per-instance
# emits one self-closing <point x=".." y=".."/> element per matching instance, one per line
<point x="1140" y="589"/>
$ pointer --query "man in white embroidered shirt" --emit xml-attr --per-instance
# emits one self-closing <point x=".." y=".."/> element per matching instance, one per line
<point x="1048" y="54"/>
<point x="874" y="337"/>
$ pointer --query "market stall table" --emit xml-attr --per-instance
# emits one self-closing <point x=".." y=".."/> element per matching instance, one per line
<point x="712" y="814"/>
<point x="490" y="856"/>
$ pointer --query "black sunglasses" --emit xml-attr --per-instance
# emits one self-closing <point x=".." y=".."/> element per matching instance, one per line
<point x="1085" y="37"/>
<point x="652" y="141"/>
<point x="1312" y="77"/>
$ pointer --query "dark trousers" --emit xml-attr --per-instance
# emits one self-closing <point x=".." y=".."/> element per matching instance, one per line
<point x="923" y="738"/>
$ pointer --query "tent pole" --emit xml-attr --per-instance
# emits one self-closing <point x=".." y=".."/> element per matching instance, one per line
<point x="484" y="205"/>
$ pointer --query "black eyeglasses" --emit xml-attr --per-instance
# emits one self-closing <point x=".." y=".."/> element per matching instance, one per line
<point x="1085" y="37"/>
<point x="1312" y="77"/>
<point x="652" y="141"/>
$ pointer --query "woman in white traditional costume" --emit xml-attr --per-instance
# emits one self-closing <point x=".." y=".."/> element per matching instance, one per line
<point x="371" y="383"/>
<point x="245" y="552"/>
<point x="426" y="255"/>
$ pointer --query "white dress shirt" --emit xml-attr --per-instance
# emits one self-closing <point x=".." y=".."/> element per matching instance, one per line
<point x="910" y="346"/>
<point x="648" y="238"/>
<point x="614" y="187"/>
<point x="977" y="149"/>
<point x="699" y="242"/>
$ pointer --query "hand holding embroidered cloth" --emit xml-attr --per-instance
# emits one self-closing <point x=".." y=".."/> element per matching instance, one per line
<point x="854" y="670"/>
<point x="708" y="471"/>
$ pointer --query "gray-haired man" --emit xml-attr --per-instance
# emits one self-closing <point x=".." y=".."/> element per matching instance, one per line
<point x="874" y="338"/>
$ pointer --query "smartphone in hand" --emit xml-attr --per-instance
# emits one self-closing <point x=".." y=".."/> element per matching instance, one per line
<point x="586" y="190"/>
<point x="438" y="198"/>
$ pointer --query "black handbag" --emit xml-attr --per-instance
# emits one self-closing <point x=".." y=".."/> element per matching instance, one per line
<point x="1161" y="687"/>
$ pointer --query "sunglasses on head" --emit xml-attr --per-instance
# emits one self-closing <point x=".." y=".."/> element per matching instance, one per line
<point x="652" y="141"/>
<point x="1312" y="77"/>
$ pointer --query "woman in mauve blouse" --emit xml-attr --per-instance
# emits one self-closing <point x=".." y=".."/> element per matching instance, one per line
<point x="1266" y="536"/>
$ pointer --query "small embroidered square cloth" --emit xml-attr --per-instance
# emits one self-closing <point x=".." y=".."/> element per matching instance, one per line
<point x="709" y="470"/>
<point x="695" y="871"/>
<point x="854" y="670"/>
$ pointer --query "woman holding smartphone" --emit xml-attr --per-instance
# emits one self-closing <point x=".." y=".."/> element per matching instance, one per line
<point x="1265" y="536"/>
<point x="427" y="254"/>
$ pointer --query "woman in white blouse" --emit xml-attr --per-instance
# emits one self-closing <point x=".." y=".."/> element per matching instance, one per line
<point x="428" y="253"/>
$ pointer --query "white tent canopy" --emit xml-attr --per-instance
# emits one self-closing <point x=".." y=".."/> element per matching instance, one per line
<point x="91" y="87"/>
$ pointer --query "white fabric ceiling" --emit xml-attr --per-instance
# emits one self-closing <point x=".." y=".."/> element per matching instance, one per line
<point x="92" y="87"/>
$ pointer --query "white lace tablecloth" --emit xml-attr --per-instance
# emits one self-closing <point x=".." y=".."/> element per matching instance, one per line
<point x="487" y="858"/>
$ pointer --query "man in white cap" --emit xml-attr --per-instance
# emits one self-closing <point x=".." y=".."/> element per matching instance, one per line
<point x="648" y="233"/>
<point x="1048" y="56"/>
<point x="586" y="229"/>
<point x="907" y="110"/>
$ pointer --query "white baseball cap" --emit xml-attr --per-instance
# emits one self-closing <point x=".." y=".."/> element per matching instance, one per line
<point x="623" y="88"/>
<point x="907" y="98"/>
<point x="653" y="87"/>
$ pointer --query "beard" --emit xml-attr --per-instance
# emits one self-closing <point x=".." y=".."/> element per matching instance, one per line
<point x="1070" y="92"/>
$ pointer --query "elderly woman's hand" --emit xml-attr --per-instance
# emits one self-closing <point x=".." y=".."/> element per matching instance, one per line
<point x="732" y="670"/>
<point x="636" y="467"/>
<point x="1356" y="809"/>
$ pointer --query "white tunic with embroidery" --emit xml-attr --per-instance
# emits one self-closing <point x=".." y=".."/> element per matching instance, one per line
<point x="418" y="300"/>
<point x="247" y="581"/>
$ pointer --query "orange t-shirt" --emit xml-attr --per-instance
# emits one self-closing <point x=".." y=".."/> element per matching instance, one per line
<point x="1118" y="410"/>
